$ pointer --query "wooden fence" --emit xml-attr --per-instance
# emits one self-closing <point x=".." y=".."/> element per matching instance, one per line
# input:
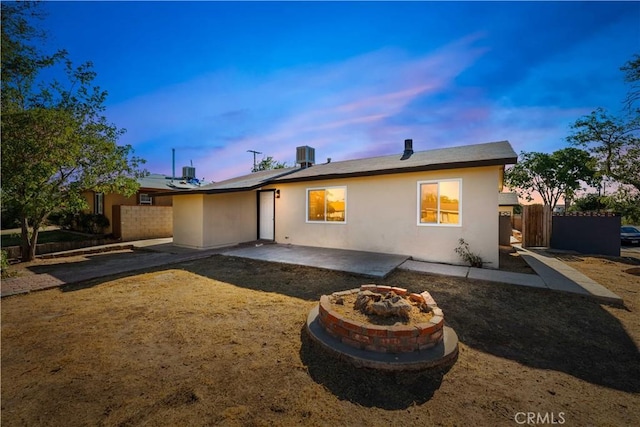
<point x="536" y="226"/>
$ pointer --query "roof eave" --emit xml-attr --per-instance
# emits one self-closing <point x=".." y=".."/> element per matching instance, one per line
<point x="211" y="191"/>
<point x="281" y="179"/>
<point x="422" y="168"/>
<point x="228" y="190"/>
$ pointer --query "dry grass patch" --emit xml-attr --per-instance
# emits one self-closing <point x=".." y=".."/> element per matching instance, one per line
<point x="221" y="341"/>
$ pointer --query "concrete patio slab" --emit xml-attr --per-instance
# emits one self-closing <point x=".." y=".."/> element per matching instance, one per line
<point x="365" y="263"/>
<point x="433" y="268"/>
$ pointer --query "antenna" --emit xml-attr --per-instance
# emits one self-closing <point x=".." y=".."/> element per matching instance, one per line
<point x="254" y="158"/>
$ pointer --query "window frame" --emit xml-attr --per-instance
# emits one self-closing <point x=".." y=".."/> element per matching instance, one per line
<point x="325" y="221"/>
<point x="419" y="203"/>
<point x="98" y="203"/>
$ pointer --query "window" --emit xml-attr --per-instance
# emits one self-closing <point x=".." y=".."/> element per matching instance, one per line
<point x="145" y="199"/>
<point x="327" y="204"/>
<point x="98" y="203"/>
<point x="439" y="202"/>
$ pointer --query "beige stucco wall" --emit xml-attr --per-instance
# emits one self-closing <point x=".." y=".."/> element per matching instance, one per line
<point x="382" y="216"/>
<point x="214" y="220"/>
<point x="162" y="200"/>
<point x="230" y="219"/>
<point x="188" y="220"/>
<point x="145" y="222"/>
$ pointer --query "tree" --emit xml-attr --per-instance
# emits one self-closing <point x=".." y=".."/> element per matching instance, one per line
<point x="632" y="76"/>
<point x="268" y="163"/>
<point x="590" y="202"/>
<point x="552" y="176"/>
<point x="626" y="202"/>
<point x="614" y="142"/>
<point x="56" y="142"/>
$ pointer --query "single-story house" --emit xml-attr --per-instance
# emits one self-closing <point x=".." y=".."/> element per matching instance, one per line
<point x="414" y="203"/>
<point x="147" y="195"/>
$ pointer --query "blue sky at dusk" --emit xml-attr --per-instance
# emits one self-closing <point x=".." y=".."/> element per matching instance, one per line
<point x="215" y="79"/>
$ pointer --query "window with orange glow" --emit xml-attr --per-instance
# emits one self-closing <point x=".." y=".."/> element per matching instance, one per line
<point x="327" y="204"/>
<point x="439" y="202"/>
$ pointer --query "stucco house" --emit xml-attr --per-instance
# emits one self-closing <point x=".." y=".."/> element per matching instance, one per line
<point x="147" y="195"/>
<point x="414" y="203"/>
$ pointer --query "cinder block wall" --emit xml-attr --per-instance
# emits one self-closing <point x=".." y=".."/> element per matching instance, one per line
<point x="145" y="222"/>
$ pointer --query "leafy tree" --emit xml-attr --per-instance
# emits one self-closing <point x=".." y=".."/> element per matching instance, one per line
<point x="632" y="76"/>
<point x="552" y="176"/>
<point x="590" y="202"/>
<point x="614" y="142"/>
<point x="56" y="142"/>
<point x="268" y="163"/>
<point x="626" y="202"/>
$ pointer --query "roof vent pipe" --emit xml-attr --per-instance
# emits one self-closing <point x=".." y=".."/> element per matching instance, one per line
<point x="408" y="149"/>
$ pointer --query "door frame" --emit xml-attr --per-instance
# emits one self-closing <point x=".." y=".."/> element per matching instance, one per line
<point x="258" y="193"/>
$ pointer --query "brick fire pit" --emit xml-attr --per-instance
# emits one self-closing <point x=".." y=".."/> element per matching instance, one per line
<point x="405" y="345"/>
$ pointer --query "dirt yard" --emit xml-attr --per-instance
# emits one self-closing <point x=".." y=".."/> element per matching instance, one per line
<point x="221" y="341"/>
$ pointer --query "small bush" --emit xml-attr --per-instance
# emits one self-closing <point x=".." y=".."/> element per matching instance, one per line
<point x="84" y="222"/>
<point x="57" y="218"/>
<point x="94" y="223"/>
<point x="4" y="265"/>
<point x="463" y="251"/>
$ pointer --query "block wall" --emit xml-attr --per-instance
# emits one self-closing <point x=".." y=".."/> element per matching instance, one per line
<point x="145" y="222"/>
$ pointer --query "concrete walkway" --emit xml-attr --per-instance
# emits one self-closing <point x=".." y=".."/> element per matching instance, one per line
<point x="551" y="273"/>
<point x="560" y="277"/>
<point x="100" y="261"/>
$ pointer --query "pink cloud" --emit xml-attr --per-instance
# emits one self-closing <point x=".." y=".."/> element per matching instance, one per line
<point x="341" y="109"/>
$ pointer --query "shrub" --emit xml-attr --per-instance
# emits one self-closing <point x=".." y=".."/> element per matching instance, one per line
<point x="94" y="223"/>
<point x="4" y="265"/>
<point x="84" y="222"/>
<point x="463" y="251"/>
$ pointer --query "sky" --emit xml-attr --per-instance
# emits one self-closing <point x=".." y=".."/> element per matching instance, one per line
<point x="215" y="79"/>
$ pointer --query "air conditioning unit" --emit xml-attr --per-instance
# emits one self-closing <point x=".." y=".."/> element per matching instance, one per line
<point x="146" y="199"/>
<point x="188" y="172"/>
<point x="305" y="156"/>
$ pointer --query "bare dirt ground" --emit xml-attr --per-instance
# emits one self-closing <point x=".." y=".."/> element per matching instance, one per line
<point x="221" y="341"/>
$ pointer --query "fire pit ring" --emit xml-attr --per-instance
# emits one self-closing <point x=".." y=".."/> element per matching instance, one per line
<point x="396" y="347"/>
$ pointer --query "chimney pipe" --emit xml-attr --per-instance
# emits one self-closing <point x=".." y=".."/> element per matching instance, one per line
<point x="408" y="149"/>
